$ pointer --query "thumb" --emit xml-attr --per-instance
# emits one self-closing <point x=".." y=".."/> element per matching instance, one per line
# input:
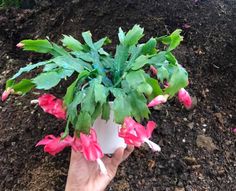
<point x="117" y="157"/>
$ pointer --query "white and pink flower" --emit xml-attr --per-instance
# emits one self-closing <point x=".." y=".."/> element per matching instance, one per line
<point x="136" y="134"/>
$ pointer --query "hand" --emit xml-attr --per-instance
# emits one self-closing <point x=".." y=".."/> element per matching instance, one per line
<point x="85" y="175"/>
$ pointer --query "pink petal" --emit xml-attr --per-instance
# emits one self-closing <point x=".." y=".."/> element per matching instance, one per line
<point x="20" y="45"/>
<point x="150" y="127"/>
<point x="184" y="98"/>
<point x="93" y="135"/>
<point x="76" y="144"/>
<point x="46" y="99"/>
<point x="141" y="132"/>
<point x="6" y="93"/>
<point x="54" y="145"/>
<point x="153" y="70"/>
<point x="85" y="140"/>
<point x="50" y="104"/>
<point x="47" y="139"/>
<point x="158" y="100"/>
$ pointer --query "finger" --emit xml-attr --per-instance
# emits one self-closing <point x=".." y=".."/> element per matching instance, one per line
<point x="117" y="157"/>
<point x="129" y="149"/>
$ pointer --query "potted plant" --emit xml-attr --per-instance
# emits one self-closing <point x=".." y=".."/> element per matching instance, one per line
<point x="110" y="95"/>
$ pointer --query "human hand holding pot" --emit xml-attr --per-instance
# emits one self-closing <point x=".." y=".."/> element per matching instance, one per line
<point x="85" y="175"/>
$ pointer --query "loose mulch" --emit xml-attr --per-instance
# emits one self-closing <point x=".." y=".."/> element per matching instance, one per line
<point x="198" y="146"/>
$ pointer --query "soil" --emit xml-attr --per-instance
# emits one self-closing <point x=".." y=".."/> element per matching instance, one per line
<point x="198" y="146"/>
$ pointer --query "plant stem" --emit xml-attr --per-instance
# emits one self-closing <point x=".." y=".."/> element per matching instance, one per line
<point x="121" y="78"/>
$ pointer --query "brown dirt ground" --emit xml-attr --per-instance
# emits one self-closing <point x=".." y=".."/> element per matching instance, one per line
<point x="187" y="162"/>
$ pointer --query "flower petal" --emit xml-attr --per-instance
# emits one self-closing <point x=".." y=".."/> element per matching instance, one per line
<point x="158" y="100"/>
<point x="153" y="146"/>
<point x="185" y="98"/>
<point x="102" y="167"/>
<point x="151" y="125"/>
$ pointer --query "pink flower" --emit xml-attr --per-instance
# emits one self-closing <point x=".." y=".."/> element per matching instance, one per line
<point x="54" y="145"/>
<point x="234" y="130"/>
<point x="88" y="145"/>
<point x="153" y="70"/>
<point x="135" y="134"/>
<point x="6" y="93"/>
<point x="20" y="45"/>
<point x="50" y="104"/>
<point x="158" y="100"/>
<point x="184" y="98"/>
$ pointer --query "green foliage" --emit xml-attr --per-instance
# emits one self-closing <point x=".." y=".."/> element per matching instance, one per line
<point x="124" y="77"/>
<point x="9" y="3"/>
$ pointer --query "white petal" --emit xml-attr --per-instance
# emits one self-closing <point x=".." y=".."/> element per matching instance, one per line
<point x="34" y="101"/>
<point x="153" y="146"/>
<point x="102" y="167"/>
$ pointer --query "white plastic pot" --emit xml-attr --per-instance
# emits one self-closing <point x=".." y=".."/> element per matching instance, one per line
<point x="107" y="134"/>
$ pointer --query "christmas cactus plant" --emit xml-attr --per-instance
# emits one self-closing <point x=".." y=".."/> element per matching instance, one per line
<point x="137" y="77"/>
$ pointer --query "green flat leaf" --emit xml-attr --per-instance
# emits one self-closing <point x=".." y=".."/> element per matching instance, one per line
<point x="47" y="80"/>
<point x="121" y="36"/>
<point x="145" y="88"/>
<point x="178" y="80"/>
<point x="70" y="93"/>
<point x="23" y="86"/>
<point x="173" y="40"/>
<point x="86" y="56"/>
<point x="159" y="59"/>
<point x="71" y="43"/>
<point x="163" y="74"/>
<point x="101" y="51"/>
<point x="121" y="109"/>
<point x="171" y="58"/>
<point x="133" y="36"/>
<point x="29" y="68"/>
<point x="72" y="110"/>
<point x="10" y="83"/>
<point x="41" y="46"/>
<point x="156" y="90"/>
<point x="88" y="102"/>
<point x="70" y="63"/>
<point x="101" y="42"/>
<point x="139" y="106"/>
<point x="134" y="52"/>
<point x="97" y="112"/>
<point x="87" y="36"/>
<point x="149" y="47"/>
<point x="176" y="38"/>
<point x="140" y="62"/>
<point x="58" y="51"/>
<point x="83" y="123"/>
<point x="49" y="67"/>
<point x="120" y="59"/>
<point x="68" y="98"/>
<point x="106" y="111"/>
<point x="100" y="93"/>
<point x="134" y="78"/>
<point x="107" y="62"/>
